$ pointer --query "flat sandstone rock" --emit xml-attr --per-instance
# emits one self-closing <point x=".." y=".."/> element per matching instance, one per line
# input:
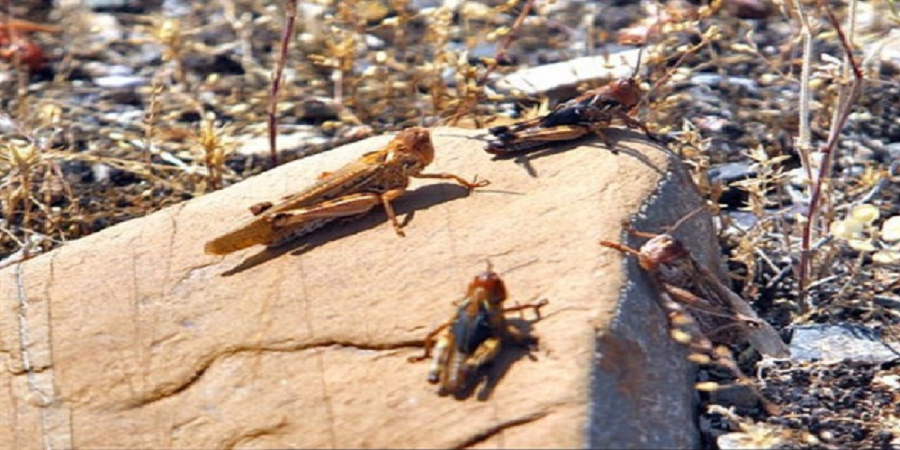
<point x="134" y="338"/>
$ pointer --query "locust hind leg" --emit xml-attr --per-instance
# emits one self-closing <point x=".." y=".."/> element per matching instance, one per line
<point x="348" y="205"/>
<point x="535" y="137"/>
<point x="486" y="352"/>
<point x="439" y="362"/>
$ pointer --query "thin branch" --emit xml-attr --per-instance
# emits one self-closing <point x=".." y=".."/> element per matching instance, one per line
<point x="501" y="51"/>
<point x="804" y="139"/>
<point x="290" y="7"/>
<point x="849" y="96"/>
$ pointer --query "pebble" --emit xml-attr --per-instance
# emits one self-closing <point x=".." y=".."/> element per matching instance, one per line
<point x="846" y="342"/>
<point x="120" y="82"/>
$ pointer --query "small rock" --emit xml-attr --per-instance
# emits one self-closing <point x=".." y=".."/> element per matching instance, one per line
<point x="96" y="69"/>
<point x="730" y="172"/>
<point x="120" y="82"/>
<point x="750" y="9"/>
<point x="318" y="109"/>
<point x="738" y="396"/>
<point x="100" y="172"/>
<point x="743" y="220"/>
<point x="551" y="78"/>
<point x="104" y="27"/>
<point x="831" y="343"/>
<point x="124" y="6"/>
<point x="714" y="79"/>
<point x="260" y="145"/>
<point x="374" y="42"/>
<point x="893" y="150"/>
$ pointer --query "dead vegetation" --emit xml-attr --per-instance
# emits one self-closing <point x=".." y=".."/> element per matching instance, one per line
<point x="138" y="107"/>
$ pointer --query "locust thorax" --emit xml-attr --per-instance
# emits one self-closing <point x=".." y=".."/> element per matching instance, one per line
<point x="659" y="250"/>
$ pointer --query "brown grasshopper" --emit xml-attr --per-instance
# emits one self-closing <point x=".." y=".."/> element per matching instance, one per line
<point x="376" y="178"/>
<point x="715" y="306"/>
<point x="699" y="307"/>
<point x="591" y="112"/>
<point x="474" y="335"/>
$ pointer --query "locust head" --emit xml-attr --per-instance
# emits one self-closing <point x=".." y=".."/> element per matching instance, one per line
<point x="626" y="91"/>
<point x="489" y="288"/>
<point x="413" y="146"/>
<point x="660" y="250"/>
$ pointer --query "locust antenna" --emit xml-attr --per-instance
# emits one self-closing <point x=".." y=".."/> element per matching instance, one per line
<point x="637" y="67"/>
<point x="684" y="219"/>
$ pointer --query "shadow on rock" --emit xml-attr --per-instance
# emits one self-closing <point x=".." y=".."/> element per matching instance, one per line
<point x="615" y="137"/>
<point x="420" y="199"/>
<point x="488" y="376"/>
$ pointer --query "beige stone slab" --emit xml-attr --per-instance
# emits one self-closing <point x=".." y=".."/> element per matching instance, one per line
<point x="137" y="339"/>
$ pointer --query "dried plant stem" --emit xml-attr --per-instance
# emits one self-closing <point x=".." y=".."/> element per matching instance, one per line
<point x="150" y="122"/>
<point x="501" y="51"/>
<point x="290" y="7"/>
<point x="846" y="100"/>
<point x="804" y="140"/>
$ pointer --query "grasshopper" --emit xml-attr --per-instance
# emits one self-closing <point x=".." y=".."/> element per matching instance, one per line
<point x="699" y="307"/>
<point x="591" y="112"/>
<point x="376" y="178"/>
<point x="683" y="278"/>
<point x="474" y="335"/>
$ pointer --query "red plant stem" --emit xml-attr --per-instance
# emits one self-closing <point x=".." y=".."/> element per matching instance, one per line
<point x="290" y="7"/>
<point x="827" y="152"/>
<point x="501" y="52"/>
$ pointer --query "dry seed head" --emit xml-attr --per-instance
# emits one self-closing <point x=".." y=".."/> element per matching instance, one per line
<point x="21" y="157"/>
<point x="698" y="358"/>
<point x="680" y="337"/>
<point x="707" y="386"/>
<point x="890" y="230"/>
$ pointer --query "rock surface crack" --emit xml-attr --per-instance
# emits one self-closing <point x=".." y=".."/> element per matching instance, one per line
<point x="499" y="428"/>
<point x="174" y="388"/>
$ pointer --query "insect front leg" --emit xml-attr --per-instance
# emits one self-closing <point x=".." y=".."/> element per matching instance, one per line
<point x="386" y="200"/>
<point x="536" y="306"/>
<point x="631" y="122"/>
<point x="599" y="129"/>
<point x="460" y="180"/>
<point x="641" y="234"/>
<point x="621" y="248"/>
